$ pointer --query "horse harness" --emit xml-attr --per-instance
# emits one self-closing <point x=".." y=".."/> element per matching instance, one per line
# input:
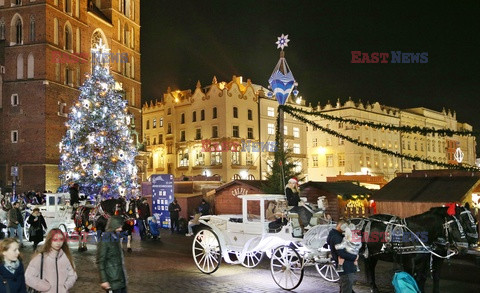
<point x="394" y="234"/>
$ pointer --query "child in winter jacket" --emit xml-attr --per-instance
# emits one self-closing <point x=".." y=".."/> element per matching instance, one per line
<point x="12" y="277"/>
<point x="58" y="267"/>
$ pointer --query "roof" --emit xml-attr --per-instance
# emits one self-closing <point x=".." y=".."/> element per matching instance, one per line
<point x="338" y="188"/>
<point x="262" y="196"/>
<point x="258" y="184"/>
<point x="427" y="189"/>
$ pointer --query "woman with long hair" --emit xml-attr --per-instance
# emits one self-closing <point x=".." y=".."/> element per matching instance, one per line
<point x="37" y="224"/>
<point x="58" y="270"/>
<point x="12" y="278"/>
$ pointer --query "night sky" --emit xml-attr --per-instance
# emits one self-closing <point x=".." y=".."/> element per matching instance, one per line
<point x="185" y="41"/>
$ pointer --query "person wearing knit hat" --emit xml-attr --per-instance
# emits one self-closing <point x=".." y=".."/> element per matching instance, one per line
<point x="110" y="258"/>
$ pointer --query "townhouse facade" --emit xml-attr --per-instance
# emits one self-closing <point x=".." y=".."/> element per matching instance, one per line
<point x="225" y="129"/>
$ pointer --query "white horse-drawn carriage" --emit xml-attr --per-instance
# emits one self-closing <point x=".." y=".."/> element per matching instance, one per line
<point x="244" y="239"/>
<point x="56" y="211"/>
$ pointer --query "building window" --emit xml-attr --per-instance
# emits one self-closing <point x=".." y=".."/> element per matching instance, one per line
<point x="329" y="160"/>
<point x="2" y="29"/>
<point x="341" y="160"/>
<point x="68" y="38"/>
<point x="215" y="158"/>
<point x="154" y="124"/>
<point x="214" y="113"/>
<point x="20" y="66"/>
<point x="161" y="122"/>
<point x="408" y="145"/>
<point x="169" y="111"/>
<point x="250" y="115"/>
<point x="250" y="133"/>
<point x="328" y="141"/>
<point x="182" y="135"/>
<point x="415" y="146"/>
<point x="55" y="31"/>
<point x="194" y="116"/>
<point x="340" y="125"/>
<point x="214" y="131"/>
<point x="199" y="158"/>
<point x="341" y="141"/>
<point x="285" y="130"/>
<point x="183" y="158"/>
<point x="202" y="115"/>
<point x="160" y="138"/>
<point x="314" y="142"/>
<point x="198" y="133"/>
<point x="169" y="128"/>
<point x="68" y="76"/>
<point x="30" y="66"/>
<point x="236" y="132"/>
<point x="154" y="141"/>
<point x="236" y="177"/>
<point x="14" y="100"/>
<point x="315" y="160"/>
<point x="296" y="132"/>
<point x="235" y="157"/>
<point x="148" y="124"/>
<point x="271" y="128"/>
<point x="18" y="31"/>
<point x="68" y="6"/>
<point x="32" y="29"/>
<point x="14" y="136"/>
<point x="296" y="148"/>
<point x="271" y="112"/>
<point x="235" y="112"/>
<point x="61" y="109"/>
<point x="249" y="158"/>
<point x="182" y="118"/>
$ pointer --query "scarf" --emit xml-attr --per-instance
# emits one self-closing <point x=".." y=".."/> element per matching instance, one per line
<point x="12" y="266"/>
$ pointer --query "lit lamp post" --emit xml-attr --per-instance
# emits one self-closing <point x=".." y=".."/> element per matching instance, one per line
<point x="282" y="83"/>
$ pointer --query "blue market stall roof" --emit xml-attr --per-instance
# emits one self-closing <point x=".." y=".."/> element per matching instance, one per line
<point x="344" y="189"/>
<point x="427" y="189"/>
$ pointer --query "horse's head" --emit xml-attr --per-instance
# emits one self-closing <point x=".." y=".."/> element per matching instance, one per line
<point x="468" y="224"/>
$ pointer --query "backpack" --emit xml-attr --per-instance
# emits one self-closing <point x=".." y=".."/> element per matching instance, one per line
<point x="404" y="283"/>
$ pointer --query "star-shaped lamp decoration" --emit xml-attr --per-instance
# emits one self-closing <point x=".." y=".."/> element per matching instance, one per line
<point x="282" y="41"/>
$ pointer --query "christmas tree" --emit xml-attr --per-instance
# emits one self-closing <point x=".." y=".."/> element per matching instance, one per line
<point x="97" y="151"/>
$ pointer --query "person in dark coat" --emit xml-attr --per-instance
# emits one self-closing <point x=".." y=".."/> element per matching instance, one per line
<point x="37" y="226"/>
<point x="74" y="198"/>
<point x="204" y="208"/>
<point x="113" y="275"/>
<point x="143" y="214"/>
<point x="293" y="198"/>
<point x="12" y="273"/>
<point x="174" y="208"/>
<point x="347" y="277"/>
<point x="15" y="222"/>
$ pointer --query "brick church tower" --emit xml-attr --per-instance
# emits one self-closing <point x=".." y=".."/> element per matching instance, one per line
<point x="45" y="54"/>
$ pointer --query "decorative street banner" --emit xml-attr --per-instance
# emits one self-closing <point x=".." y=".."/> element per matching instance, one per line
<point x="162" y="196"/>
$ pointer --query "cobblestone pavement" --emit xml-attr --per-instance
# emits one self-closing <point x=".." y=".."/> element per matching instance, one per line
<point x="166" y="265"/>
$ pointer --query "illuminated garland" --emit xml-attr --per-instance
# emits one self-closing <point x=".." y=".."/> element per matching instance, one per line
<point x="375" y="148"/>
<point x="408" y="129"/>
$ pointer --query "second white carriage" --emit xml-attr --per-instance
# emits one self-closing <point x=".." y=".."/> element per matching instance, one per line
<point x="245" y="239"/>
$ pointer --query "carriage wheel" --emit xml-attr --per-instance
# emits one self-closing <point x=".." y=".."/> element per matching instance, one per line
<point x="328" y="271"/>
<point x="286" y="266"/>
<point x="252" y="259"/>
<point x="26" y="235"/>
<point x="206" y="251"/>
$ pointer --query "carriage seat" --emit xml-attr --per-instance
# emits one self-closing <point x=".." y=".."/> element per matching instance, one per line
<point x="236" y="220"/>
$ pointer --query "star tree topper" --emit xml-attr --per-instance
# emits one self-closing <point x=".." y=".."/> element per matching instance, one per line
<point x="282" y="41"/>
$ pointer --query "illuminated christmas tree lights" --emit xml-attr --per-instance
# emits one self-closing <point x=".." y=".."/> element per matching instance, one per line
<point x="97" y="151"/>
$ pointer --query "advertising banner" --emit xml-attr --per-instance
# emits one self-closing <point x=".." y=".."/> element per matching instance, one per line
<point x="162" y="196"/>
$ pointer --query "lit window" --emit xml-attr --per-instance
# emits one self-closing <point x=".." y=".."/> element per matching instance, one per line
<point x="271" y="112"/>
<point x="329" y="160"/>
<point x="14" y="100"/>
<point x="285" y="130"/>
<point x="315" y="160"/>
<point x="296" y="132"/>
<point x="296" y="148"/>
<point x="271" y="128"/>
<point x="341" y="160"/>
<point x="250" y="133"/>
